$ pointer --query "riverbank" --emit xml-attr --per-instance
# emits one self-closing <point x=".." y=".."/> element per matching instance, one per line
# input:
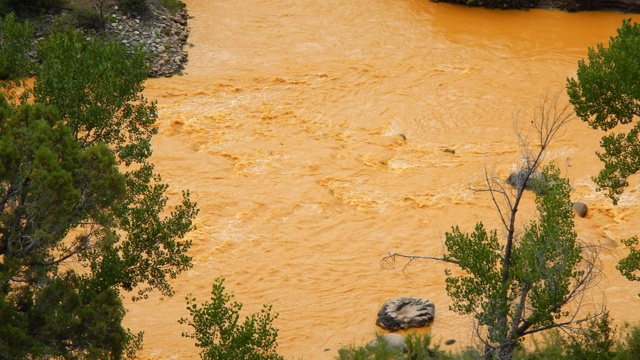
<point x="163" y="35"/>
<point x="625" y="6"/>
<point x="161" y="32"/>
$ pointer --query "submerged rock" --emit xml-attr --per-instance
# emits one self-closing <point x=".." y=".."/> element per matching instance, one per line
<point x="405" y="312"/>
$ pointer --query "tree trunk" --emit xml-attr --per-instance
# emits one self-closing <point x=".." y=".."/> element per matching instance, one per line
<point x="506" y="350"/>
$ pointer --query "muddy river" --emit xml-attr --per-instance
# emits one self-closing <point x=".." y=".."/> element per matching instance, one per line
<point x="312" y="135"/>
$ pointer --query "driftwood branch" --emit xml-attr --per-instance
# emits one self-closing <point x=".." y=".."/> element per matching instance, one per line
<point x="390" y="259"/>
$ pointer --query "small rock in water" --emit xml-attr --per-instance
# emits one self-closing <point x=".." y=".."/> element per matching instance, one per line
<point x="535" y="181"/>
<point x="580" y="209"/>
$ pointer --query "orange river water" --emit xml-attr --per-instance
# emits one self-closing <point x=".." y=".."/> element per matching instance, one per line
<point x="285" y="128"/>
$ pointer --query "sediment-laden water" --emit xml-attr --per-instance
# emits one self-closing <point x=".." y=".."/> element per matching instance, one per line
<point x="286" y="129"/>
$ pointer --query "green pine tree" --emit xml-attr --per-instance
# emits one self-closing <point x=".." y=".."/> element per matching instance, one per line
<point x="82" y="212"/>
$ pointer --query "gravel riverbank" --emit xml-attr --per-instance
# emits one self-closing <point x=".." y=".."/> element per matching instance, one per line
<point x="162" y="35"/>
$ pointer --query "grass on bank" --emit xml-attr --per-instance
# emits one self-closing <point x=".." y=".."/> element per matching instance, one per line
<point x="597" y="339"/>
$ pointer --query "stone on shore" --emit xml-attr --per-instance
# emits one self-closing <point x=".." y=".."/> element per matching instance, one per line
<point x="393" y="341"/>
<point x="161" y="35"/>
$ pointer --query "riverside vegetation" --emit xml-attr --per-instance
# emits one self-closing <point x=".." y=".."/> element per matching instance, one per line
<point x="82" y="216"/>
<point x="77" y="187"/>
<point x="157" y="27"/>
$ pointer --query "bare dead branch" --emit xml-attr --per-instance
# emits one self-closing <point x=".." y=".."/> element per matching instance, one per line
<point x="390" y="259"/>
<point x="391" y="256"/>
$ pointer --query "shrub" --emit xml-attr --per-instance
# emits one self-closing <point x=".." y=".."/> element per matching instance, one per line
<point x="549" y="347"/>
<point x="628" y="346"/>
<point x="381" y="351"/>
<point x="218" y="332"/>
<point x="594" y="341"/>
<point x="418" y="347"/>
<point x="89" y="19"/>
<point x="64" y="23"/>
<point x="135" y="7"/>
<point x="29" y="7"/>
<point x="15" y="43"/>
<point x="173" y="5"/>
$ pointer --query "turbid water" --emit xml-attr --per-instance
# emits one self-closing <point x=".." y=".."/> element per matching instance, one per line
<point x="286" y="129"/>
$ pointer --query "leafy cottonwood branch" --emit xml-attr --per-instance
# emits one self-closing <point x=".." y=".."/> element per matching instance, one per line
<point x="606" y="95"/>
<point x="217" y="328"/>
<point x="522" y="282"/>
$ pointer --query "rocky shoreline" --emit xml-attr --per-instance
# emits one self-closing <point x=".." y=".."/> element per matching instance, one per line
<point x="163" y="35"/>
<point x="160" y="33"/>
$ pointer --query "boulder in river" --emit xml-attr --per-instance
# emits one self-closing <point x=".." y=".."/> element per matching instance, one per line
<point x="536" y="182"/>
<point x="405" y="312"/>
<point x="580" y="209"/>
